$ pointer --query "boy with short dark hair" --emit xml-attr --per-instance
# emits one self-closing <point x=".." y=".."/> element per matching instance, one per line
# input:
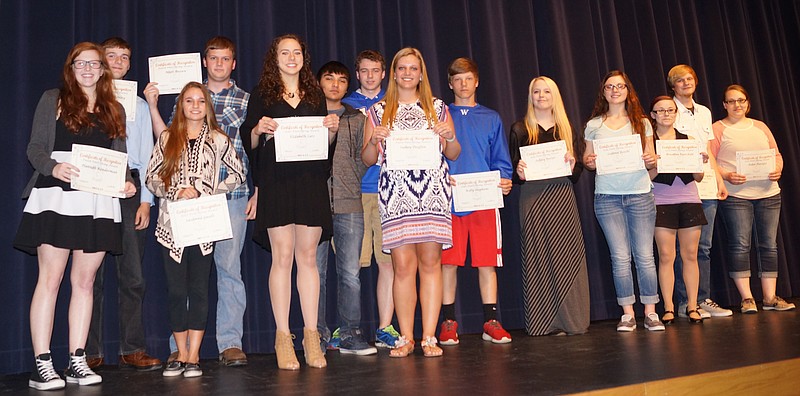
<point x="348" y="216"/>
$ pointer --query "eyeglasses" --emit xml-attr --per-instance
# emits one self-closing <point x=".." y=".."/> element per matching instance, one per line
<point x="81" y="64"/>
<point x="618" y="86"/>
<point x="732" y="102"/>
<point x="662" y="112"/>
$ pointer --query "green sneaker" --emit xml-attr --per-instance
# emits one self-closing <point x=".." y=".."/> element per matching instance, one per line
<point x="335" y="340"/>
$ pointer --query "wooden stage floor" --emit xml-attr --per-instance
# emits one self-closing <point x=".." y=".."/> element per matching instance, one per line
<point x="744" y="354"/>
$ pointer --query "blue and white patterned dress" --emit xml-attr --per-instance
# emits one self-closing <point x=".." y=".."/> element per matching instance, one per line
<point x="414" y="204"/>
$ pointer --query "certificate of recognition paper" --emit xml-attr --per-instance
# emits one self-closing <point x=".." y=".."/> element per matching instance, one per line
<point x="477" y="191"/>
<point x="755" y="164"/>
<point x="100" y="170"/>
<point x="125" y="92"/>
<point x="545" y="160"/>
<point x="413" y="150"/>
<point x="679" y="156"/>
<point x="200" y="220"/>
<point x="301" y="139"/>
<point x="618" y="154"/>
<point x="708" y="186"/>
<point x="172" y="72"/>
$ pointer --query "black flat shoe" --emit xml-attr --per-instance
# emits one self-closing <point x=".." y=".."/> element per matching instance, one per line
<point x="668" y="321"/>
<point x="691" y="319"/>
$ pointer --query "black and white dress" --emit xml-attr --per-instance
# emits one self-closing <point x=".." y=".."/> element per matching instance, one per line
<point x="57" y="215"/>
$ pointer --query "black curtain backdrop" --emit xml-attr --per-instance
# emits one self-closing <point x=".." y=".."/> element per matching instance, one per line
<point x="754" y="43"/>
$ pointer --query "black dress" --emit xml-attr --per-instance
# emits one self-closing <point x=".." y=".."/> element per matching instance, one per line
<point x="288" y="192"/>
<point x="555" y="279"/>
<point x="57" y="215"/>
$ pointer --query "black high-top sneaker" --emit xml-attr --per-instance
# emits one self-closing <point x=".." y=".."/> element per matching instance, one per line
<point x="45" y="376"/>
<point x="79" y="372"/>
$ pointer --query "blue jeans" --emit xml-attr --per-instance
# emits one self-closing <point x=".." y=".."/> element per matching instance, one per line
<point x="703" y="257"/>
<point x="628" y="222"/>
<point x="741" y="215"/>
<point x="231" y="296"/>
<point x="348" y="232"/>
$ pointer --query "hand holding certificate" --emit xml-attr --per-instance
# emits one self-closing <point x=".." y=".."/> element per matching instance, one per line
<point x="679" y="156"/>
<point x="755" y="164"/>
<point x="477" y="191"/>
<point x="125" y="92"/>
<point x="200" y="220"/>
<point x="618" y="154"/>
<point x="101" y="171"/>
<point x="172" y="72"/>
<point x="545" y="160"/>
<point x="301" y="139"/>
<point x="413" y="150"/>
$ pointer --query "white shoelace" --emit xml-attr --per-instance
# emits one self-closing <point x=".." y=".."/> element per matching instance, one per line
<point x="46" y="370"/>
<point x="711" y="303"/>
<point x="80" y="367"/>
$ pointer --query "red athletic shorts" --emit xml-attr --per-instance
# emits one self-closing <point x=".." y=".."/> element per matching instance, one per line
<point x="482" y="229"/>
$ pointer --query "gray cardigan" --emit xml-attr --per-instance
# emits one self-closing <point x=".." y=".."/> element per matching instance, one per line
<point x="43" y="138"/>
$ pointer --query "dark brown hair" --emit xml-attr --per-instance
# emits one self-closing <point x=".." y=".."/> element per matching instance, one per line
<point x="462" y="65"/>
<point x="115" y="42"/>
<point x="270" y="85"/>
<point x="219" y="43"/>
<point x="372" y="55"/>
<point x="632" y="104"/>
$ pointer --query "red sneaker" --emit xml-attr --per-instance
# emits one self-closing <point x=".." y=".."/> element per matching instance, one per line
<point x="448" y="334"/>
<point x="494" y="332"/>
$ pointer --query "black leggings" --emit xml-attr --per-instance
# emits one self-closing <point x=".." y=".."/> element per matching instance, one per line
<point x="187" y="284"/>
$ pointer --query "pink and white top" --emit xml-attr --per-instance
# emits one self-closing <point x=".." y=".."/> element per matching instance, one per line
<point x="753" y="135"/>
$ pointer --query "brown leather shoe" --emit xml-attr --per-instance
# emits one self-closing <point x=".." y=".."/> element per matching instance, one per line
<point x="94" y="362"/>
<point x="172" y="357"/>
<point x="233" y="357"/>
<point x="140" y="361"/>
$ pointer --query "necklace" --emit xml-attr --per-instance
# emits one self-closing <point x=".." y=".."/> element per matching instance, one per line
<point x="290" y="95"/>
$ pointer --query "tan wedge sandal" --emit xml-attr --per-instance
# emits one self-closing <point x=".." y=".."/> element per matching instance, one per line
<point x="311" y="348"/>
<point x="284" y="350"/>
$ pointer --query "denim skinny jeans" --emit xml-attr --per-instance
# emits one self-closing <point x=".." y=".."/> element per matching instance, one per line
<point x="628" y="222"/>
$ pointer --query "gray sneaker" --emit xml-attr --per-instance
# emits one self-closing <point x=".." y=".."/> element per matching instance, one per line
<point x="653" y="323"/>
<point x="626" y="323"/>
<point x="703" y="313"/>
<point x="353" y="344"/>
<point x="713" y="309"/>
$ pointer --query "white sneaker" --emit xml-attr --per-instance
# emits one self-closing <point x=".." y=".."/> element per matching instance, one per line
<point x="713" y="309"/>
